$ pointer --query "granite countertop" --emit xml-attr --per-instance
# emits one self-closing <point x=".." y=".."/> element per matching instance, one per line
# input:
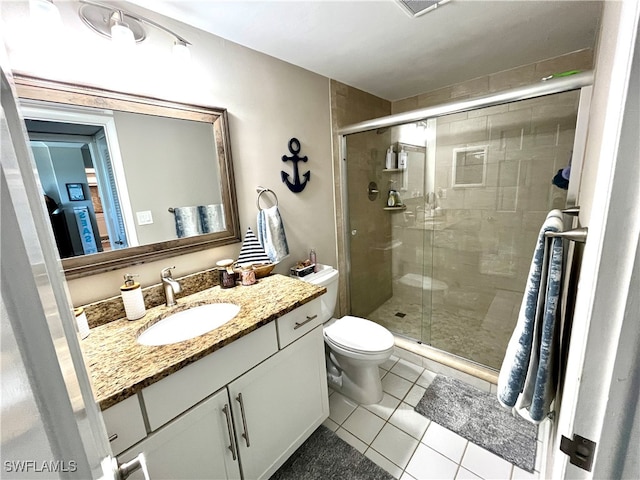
<point x="120" y="367"/>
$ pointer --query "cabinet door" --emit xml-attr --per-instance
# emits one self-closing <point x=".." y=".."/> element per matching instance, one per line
<point x="193" y="446"/>
<point x="283" y="400"/>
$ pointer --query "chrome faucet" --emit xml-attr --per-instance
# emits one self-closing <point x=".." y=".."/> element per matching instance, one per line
<point x="170" y="286"/>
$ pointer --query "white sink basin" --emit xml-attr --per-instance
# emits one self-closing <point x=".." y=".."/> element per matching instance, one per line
<point x="181" y="326"/>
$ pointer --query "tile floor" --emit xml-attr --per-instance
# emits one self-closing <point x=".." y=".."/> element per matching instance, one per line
<point x="408" y="445"/>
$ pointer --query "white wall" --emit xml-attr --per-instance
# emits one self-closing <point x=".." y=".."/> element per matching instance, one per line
<point x="268" y="102"/>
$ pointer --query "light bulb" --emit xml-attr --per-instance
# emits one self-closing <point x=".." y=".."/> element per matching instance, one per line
<point x="45" y="16"/>
<point x="121" y="35"/>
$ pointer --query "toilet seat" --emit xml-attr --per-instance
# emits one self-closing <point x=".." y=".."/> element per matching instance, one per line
<point x="359" y="335"/>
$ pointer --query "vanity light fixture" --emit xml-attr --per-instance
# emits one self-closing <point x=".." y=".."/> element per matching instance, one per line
<point x="124" y="27"/>
<point x="416" y="8"/>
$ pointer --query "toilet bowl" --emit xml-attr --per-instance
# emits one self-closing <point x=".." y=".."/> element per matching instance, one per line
<point x="355" y="347"/>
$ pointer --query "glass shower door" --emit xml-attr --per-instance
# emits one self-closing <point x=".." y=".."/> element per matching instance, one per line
<point x="494" y="182"/>
<point x="449" y="265"/>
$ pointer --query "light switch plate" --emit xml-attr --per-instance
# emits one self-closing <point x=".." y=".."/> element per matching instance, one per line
<point x="144" y="218"/>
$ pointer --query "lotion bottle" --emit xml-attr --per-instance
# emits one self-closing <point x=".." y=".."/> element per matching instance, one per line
<point x="132" y="298"/>
<point x="402" y="159"/>
<point x="81" y="320"/>
<point x="391" y="159"/>
<point x="313" y="259"/>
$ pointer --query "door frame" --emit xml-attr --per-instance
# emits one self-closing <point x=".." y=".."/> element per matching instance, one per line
<point x="37" y="306"/>
<point x="602" y="363"/>
<point x="35" y="110"/>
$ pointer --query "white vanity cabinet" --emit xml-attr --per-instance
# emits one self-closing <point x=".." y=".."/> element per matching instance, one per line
<point x="193" y="446"/>
<point x="125" y="424"/>
<point x="261" y="411"/>
<point x="278" y="404"/>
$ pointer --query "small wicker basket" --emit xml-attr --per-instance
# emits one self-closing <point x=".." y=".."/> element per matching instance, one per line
<point x="263" y="269"/>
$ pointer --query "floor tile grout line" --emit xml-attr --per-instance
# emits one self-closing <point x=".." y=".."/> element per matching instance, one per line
<point x="420" y="440"/>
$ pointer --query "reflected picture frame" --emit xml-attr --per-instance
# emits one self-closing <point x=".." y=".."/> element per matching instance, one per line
<point x="75" y="192"/>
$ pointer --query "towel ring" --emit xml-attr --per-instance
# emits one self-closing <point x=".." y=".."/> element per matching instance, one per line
<point x="261" y="191"/>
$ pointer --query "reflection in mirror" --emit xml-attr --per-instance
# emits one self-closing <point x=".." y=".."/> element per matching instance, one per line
<point x="128" y="179"/>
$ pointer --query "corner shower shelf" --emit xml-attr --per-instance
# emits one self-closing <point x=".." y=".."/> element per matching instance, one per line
<point x="401" y="207"/>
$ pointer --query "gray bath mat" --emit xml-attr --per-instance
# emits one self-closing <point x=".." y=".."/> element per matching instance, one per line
<point x="325" y="456"/>
<point x="478" y="417"/>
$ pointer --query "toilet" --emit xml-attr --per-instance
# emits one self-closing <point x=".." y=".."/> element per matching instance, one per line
<point x="355" y="347"/>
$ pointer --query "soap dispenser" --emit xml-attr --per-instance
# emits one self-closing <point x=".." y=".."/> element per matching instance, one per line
<point x="402" y="159"/>
<point x="391" y="199"/>
<point x="391" y="159"/>
<point x="132" y="298"/>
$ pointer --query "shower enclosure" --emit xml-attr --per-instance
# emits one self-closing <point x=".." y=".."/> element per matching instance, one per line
<point x="447" y="266"/>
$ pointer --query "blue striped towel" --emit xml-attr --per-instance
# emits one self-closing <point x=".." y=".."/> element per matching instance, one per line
<point x="271" y="234"/>
<point x="527" y="380"/>
<point x="187" y="221"/>
<point x="212" y="218"/>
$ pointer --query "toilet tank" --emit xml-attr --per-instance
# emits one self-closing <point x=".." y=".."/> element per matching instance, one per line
<point x="326" y="276"/>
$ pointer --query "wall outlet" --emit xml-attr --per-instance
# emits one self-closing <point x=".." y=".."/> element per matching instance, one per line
<point x="144" y="218"/>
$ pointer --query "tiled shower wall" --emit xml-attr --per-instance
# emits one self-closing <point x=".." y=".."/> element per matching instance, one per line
<point x="481" y="247"/>
<point x="348" y="106"/>
<point x="497" y="82"/>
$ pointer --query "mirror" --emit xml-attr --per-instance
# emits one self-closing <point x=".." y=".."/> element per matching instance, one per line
<point x="128" y="179"/>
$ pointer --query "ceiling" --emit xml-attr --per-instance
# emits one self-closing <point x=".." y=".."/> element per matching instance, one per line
<point x="377" y="47"/>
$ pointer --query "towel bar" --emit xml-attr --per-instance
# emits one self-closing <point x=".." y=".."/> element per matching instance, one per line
<point x="576" y="235"/>
<point x="262" y="190"/>
<point x="573" y="211"/>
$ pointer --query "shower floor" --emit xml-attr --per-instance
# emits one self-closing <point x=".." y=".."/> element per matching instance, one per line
<point x="481" y="337"/>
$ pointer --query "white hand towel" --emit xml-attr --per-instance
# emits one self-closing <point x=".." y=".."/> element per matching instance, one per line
<point x="271" y="234"/>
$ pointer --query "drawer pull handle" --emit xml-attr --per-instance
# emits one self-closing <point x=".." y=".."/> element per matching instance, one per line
<point x="113" y="437"/>
<point x="232" y="445"/>
<point x="309" y="318"/>
<point x="245" y="434"/>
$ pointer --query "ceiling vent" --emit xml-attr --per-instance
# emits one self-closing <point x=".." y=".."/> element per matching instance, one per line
<point x="415" y="8"/>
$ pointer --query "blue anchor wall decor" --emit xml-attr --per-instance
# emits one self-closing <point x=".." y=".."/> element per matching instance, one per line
<point x="297" y="186"/>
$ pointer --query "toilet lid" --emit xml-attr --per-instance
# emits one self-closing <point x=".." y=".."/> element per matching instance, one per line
<point x="358" y="334"/>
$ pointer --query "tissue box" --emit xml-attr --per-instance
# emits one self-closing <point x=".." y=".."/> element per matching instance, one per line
<point x="302" y="271"/>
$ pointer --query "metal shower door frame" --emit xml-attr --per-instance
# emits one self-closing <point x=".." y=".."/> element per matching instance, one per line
<point x="580" y="81"/>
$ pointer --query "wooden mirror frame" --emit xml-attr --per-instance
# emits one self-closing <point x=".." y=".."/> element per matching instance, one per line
<point x="33" y="88"/>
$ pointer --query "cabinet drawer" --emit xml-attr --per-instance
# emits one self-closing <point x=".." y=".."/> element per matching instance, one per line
<point x="168" y="398"/>
<point x="125" y="425"/>
<point x="303" y="319"/>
